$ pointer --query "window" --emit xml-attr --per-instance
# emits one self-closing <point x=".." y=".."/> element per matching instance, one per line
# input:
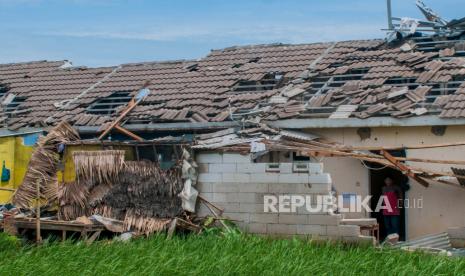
<point x="109" y="105"/>
<point x="297" y="157"/>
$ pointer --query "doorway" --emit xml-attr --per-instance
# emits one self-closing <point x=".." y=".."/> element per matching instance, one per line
<point x="377" y="175"/>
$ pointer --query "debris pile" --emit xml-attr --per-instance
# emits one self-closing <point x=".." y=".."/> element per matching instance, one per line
<point x="139" y="193"/>
<point x="263" y="139"/>
<point x="122" y="196"/>
<point x="42" y="169"/>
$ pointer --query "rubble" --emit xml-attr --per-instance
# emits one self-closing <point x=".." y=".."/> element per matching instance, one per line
<point x="122" y="196"/>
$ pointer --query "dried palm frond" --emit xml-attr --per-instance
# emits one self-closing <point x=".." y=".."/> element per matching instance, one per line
<point x="72" y="201"/>
<point x="42" y="167"/>
<point x="139" y="193"/>
<point x="71" y="212"/>
<point x="73" y="193"/>
<point x="144" y="225"/>
<point x="51" y="192"/>
<point x="97" y="194"/>
<point x="148" y="175"/>
<point x="148" y="188"/>
<point x="105" y="211"/>
<point x="98" y="167"/>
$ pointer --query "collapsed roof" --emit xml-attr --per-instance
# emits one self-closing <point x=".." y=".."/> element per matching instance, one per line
<point x="416" y="76"/>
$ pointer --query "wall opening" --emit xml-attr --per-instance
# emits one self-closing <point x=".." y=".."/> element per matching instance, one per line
<point x="378" y="174"/>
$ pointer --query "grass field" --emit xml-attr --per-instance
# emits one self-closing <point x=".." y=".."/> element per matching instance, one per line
<point x="212" y="254"/>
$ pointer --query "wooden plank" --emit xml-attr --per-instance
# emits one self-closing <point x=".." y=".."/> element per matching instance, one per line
<point x="93" y="237"/>
<point x="421" y="160"/>
<point x="405" y="169"/>
<point x="336" y="152"/>
<point x="172" y="228"/>
<point x="129" y="133"/>
<point x="52" y="225"/>
<point x="442" y="145"/>
<point x="131" y="105"/>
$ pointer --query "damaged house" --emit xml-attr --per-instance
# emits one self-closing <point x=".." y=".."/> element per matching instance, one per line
<point x="278" y="119"/>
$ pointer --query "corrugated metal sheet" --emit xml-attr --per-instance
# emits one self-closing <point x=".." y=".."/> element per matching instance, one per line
<point x="438" y="241"/>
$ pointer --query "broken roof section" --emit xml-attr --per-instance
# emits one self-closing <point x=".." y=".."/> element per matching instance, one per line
<point x="371" y="78"/>
<point x="183" y="91"/>
<point x="361" y="79"/>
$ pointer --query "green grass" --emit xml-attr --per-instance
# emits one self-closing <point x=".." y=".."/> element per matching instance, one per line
<point x="215" y="255"/>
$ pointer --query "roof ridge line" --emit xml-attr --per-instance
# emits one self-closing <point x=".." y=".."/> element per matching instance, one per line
<point x="32" y="62"/>
<point x="159" y="62"/>
<point x="277" y="44"/>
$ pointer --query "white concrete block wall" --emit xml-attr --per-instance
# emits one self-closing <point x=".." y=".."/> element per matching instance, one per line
<point x="233" y="182"/>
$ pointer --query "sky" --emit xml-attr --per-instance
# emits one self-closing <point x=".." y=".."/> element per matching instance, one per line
<point x="103" y="32"/>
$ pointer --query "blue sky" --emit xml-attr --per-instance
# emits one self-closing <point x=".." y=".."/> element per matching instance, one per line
<point x="103" y="32"/>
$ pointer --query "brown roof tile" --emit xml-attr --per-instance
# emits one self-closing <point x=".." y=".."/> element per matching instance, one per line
<point x="200" y="90"/>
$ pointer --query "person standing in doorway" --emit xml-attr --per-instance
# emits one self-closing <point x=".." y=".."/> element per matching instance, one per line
<point x="392" y="193"/>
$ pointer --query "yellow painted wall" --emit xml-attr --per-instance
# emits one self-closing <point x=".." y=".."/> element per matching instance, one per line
<point x="23" y="155"/>
<point x="16" y="156"/>
<point x="7" y="154"/>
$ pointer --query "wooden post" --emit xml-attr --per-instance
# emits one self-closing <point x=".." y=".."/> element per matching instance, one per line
<point x="155" y="153"/>
<point x="38" y="236"/>
<point x="137" y="153"/>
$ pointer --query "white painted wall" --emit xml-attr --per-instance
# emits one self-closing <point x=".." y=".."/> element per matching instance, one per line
<point x="235" y="183"/>
<point x="443" y="205"/>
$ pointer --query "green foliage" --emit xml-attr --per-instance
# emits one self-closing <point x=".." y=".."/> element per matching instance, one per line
<point x="231" y="230"/>
<point x="223" y="253"/>
<point x="9" y="243"/>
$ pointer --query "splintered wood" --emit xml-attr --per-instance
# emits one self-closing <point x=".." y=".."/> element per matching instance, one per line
<point x="320" y="149"/>
<point x="43" y="167"/>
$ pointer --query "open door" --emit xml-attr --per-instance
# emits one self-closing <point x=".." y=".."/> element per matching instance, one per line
<point x="377" y="175"/>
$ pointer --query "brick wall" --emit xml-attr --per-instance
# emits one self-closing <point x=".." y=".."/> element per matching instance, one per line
<point x="232" y="181"/>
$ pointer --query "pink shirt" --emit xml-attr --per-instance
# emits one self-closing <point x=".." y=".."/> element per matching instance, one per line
<point x="393" y="201"/>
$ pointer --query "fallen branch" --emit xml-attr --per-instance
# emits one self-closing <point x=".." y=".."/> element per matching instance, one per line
<point x="211" y="204"/>
<point x="216" y="216"/>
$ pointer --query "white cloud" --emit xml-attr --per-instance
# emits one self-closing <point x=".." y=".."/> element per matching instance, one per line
<point x="291" y="33"/>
